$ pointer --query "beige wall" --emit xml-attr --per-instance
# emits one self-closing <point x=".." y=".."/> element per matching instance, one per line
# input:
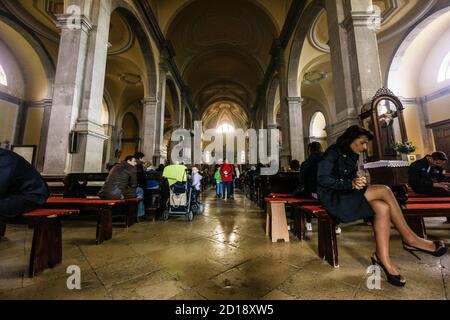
<point x="411" y="116"/>
<point x="33" y="126"/>
<point x="14" y="75"/>
<point x="8" y="112"/>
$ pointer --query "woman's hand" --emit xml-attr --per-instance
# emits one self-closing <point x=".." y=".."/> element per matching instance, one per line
<point x="359" y="183"/>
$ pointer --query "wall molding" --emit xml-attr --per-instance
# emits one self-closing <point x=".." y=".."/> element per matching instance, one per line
<point x="441" y="93"/>
<point x="11" y="99"/>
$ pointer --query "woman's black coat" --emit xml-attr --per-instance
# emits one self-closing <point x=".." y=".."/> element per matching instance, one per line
<point x="334" y="186"/>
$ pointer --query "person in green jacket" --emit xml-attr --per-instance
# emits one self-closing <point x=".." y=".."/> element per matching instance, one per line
<point x="219" y="185"/>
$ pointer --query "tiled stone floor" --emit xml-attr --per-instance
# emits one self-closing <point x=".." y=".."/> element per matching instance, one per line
<point x="222" y="254"/>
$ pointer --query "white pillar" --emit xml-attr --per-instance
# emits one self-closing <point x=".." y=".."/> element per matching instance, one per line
<point x="67" y="91"/>
<point x="354" y="57"/>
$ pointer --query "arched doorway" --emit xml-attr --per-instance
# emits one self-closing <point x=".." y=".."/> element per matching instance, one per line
<point x="130" y="135"/>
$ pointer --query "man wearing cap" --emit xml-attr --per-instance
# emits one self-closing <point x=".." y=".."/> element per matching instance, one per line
<point x="427" y="176"/>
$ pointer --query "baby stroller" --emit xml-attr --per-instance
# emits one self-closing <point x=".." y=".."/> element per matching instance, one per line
<point x="180" y="198"/>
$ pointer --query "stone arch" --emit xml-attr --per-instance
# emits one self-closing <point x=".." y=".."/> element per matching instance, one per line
<point x="271" y="98"/>
<point x="139" y="27"/>
<point x="257" y="3"/>
<point x="172" y="89"/>
<point x="301" y="34"/>
<point x="39" y="48"/>
<point x="392" y="76"/>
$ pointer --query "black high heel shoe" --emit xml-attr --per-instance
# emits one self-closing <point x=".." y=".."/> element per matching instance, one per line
<point x="438" y="252"/>
<point x="395" y="280"/>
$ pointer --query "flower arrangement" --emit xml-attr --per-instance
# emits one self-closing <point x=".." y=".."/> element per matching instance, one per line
<point x="403" y="148"/>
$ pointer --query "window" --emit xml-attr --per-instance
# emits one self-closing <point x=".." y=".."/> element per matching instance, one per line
<point x="225" y="128"/>
<point x="317" y="126"/>
<point x="444" y="71"/>
<point x="3" y="80"/>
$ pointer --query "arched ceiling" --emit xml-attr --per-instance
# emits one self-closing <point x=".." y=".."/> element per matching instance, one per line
<point x="221" y="43"/>
<point x="125" y="76"/>
<point x="225" y="111"/>
<point x="395" y="15"/>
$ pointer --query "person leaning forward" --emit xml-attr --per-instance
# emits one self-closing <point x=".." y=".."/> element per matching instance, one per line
<point x="22" y="188"/>
<point x="121" y="182"/>
<point x="427" y="175"/>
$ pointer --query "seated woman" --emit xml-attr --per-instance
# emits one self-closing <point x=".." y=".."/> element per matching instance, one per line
<point x="347" y="198"/>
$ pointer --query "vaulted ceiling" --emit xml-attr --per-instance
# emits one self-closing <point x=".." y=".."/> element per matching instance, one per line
<point x="222" y="50"/>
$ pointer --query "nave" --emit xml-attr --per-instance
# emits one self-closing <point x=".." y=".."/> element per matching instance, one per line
<point x="223" y="254"/>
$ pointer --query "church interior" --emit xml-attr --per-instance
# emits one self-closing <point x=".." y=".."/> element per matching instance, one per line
<point x="86" y="83"/>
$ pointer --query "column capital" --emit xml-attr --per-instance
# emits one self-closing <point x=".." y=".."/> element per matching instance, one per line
<point x="367" y="19"/>
<point x="74" y="22"/>
<point x="147" y="101"/>
<point x="292" y="100"/>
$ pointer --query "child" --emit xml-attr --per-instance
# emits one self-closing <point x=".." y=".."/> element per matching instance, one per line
<point x="218" y="178"/>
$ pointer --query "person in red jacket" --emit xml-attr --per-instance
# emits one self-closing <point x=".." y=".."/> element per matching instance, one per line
<point x="227" y="172"/>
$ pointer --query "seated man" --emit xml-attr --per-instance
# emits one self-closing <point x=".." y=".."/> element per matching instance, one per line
<point x="22" y="188"/>
<point x="427" y="176"/>
<point x="121" y="183"/>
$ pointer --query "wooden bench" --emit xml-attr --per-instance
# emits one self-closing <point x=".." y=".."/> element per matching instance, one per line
<point x="327" y="241"/>
<point x="415" y="212"/>
<point x="276" y="222"/>
<point x="46" y="248"/>
<point x="103" y="208"/>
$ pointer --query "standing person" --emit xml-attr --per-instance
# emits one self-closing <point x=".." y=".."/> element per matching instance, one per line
<point x="122" y="183"/>
<point x="237" y="175"/>
<point x="218" y="179"/>
<point x="348" y="198"/>
<point x="427" y="176"/>
<point x="227" y="171"/>
<point x="22" y="188"/>
<point x="196" y="184"/>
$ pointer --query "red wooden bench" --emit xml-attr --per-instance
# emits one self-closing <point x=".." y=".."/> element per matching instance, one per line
<point x="326" y="231"/>
<point x="415" y="212"/>
<point x="276" y="223"/>
<point x="46" y="248"/>
<point x="103" y="208"/>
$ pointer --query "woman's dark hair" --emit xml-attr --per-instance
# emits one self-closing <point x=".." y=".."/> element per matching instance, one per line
<point x="351" y="134"/>
<point x="314" y="148"/>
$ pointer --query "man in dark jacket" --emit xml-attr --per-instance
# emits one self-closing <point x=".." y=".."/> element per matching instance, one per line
<point x="140" y="169"/>
<point x="122" y="183"/>
<point x="22" y="188"/>
<point x="427" y="176"/>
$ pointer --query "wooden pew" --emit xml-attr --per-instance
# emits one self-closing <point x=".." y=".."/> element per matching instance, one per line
<point x="276" y="223"/>
<point x="283" y="182"/>
<point x="82" y="185"/>
<point x="326" y="231"/>
<point x="415" y="212"/>
<point x="55" y="184"/>
<point x="103" y="208"/>
<point x="46" y="248"/>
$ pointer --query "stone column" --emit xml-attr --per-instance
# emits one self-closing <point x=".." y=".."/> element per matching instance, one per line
<point x="354" y="57"/>
<point x="296" y="128"/>
<point x="159" y="140"/>
<point x="280" y="66"/>
<point x="67" y="88"/>
<point x="149" y="110"/>
<point x="91" y="132"/>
